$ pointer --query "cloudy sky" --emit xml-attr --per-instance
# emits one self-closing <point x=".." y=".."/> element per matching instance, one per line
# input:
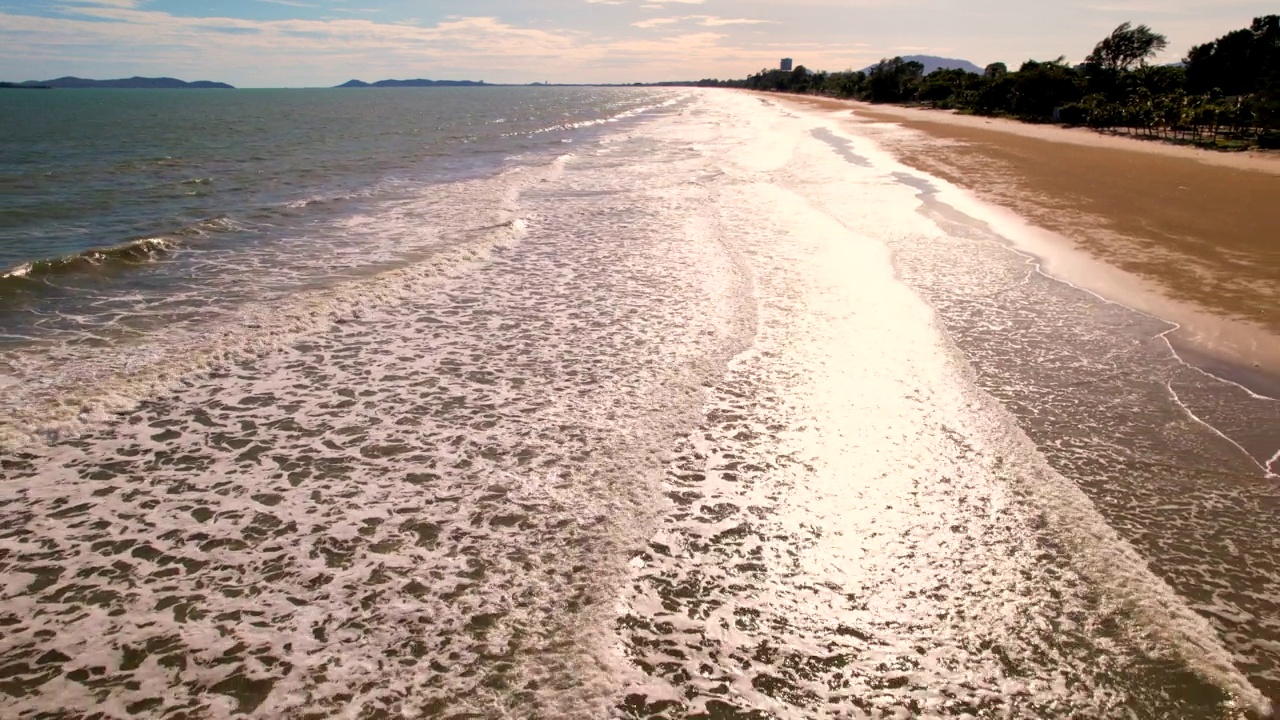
<point x="290" y="43"/>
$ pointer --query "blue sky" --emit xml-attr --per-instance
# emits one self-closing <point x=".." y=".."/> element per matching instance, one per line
<point x="293" y="43"/>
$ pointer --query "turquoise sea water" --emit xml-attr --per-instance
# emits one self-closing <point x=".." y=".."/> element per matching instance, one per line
<point x="583" y="403"/>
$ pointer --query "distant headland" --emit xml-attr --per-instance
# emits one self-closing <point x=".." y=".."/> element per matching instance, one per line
<point x="161" y="83"/>
<point x="412" y="83"/>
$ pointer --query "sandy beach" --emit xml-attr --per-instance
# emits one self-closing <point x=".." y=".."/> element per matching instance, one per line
<point x="1195" y="234"/>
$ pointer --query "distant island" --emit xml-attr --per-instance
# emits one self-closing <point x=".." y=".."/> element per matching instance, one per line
<point x="161" y="83"/>
<point x="412" y="83"/>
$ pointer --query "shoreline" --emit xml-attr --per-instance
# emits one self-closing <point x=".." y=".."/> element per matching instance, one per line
<point x="1181" y="234"/>
<point x="1264" y="161"/>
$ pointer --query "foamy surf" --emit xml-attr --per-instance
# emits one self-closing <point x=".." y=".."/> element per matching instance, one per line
<point x="132" y="252"/>
<point x="844" y="357"/>
<point x="66" y="393"/>
<point x="1191" y="335"/>
<point x="1106" y="558"/>
<point x="678" y="425"/>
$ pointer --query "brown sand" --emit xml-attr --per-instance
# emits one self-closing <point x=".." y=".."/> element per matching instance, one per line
<point x="1200" y="230"/>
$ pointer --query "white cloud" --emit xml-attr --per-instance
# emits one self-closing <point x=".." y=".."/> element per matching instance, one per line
<point x="104" y="3"/>
<point x="291" y="3"/>
<point x="703" y="20"/>
<point x="327" y="51"/>
<point x="653" y="4"/>
<point x="655" y="22"/>
<point x="710" y="21"/>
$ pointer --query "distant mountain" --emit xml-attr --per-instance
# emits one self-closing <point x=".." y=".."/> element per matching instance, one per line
<point x="412" y="83"/>
<point x="164" y="83"/>
<point x="932" y="63"/>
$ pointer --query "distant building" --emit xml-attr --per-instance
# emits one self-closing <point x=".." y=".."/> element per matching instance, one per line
<point x="786" y="65"/>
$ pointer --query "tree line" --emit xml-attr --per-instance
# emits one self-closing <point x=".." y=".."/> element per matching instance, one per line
<point x="1225" y="93"/>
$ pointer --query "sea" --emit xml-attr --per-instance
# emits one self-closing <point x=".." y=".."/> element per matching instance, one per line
<point x="588" y="403"/>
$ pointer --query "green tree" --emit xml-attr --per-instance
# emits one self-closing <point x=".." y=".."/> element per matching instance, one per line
<point x="1100" y="112"/>
<point x="1237" y="63"/>
<point x="1126" y="47"/>
<point x="994" y="95"/>
<point x="1157" y="79"/>
<point x="847" y="84"/>
<point x="799" y="80"/>
<point x="1227" y="95"/>
<point x="1039" y="88"/>
<point x="895" y="80"/>
<point x="944" y="87"/>
<point x="1226" y="64"/>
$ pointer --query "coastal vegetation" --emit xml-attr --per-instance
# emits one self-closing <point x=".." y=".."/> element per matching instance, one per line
<point x="1224" y="94"/>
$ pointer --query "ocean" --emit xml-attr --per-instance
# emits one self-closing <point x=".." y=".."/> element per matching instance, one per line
<point x="584" y="403"/>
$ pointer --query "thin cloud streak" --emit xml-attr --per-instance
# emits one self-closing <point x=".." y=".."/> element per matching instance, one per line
<point x="703" y="20"/>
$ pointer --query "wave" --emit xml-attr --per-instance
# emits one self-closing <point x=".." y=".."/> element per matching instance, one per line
<point x="133" y="252"/>
<point x="1018" y="238"/>
<point x="322" y="200"/>
<point x="67" y="407"/>
<point x="1166" y="621"/>
<point x="579" y="124"/>
<point x="138" y="251"/>
<point x="76" y="393"/>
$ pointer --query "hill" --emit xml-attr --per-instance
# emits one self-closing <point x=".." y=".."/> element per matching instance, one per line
<point x="163" y="83"/>
<point x="412" y="83"/>
<point x="932" y="63"/>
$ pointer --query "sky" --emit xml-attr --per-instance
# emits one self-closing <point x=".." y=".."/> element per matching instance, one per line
<point x="316" y="43"/>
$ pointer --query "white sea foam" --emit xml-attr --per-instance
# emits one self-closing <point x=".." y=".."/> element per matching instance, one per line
<point x="64" y="391"/>
<point x="1102" y="554"/>
<point x="17" y="271"/>
<point x="854" y="483"/>
<point x="1054" y="257"/>
<point x="440" y="488"/>
<point x="461" y="464"/>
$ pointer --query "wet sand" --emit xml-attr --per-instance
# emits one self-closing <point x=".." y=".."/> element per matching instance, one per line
<point x="1195" y="233"/>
